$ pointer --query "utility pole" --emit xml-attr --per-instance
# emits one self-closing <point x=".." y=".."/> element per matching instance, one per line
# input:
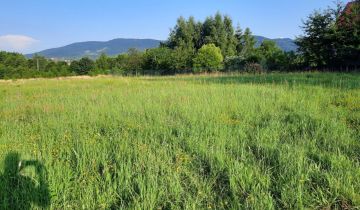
<point x="37" y="64"/>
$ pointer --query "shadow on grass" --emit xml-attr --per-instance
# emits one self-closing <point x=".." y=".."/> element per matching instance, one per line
<point x="18" y="191"/>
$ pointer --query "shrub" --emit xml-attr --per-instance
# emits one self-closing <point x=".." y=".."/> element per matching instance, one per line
<point x="2" y="71"/>
<point x="83" y="66"/>
<point x="208" y="58"/>
<point x="86" y="65"/>
<point x="159" y="59"/>
<point x="254" y="68"/>
<point x="134" y="62"/>
<point x="234" y="63"/>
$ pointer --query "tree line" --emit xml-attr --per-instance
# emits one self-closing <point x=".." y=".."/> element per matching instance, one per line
<point x="331" y="40"/>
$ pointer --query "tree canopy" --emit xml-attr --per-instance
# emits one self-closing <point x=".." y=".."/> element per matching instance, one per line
<point x="331" y="37"/>
<point x="208" y="58"/>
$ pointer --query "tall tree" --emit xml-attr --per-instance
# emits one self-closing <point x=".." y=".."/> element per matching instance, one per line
<point x="273" y="55"/>
<point x="103" y="62"/>
<point x="183" y="56"/>
<point x="184" y="38"/>
<point x="239" y="39"/>
<point x="83" y="66"/>
<point x="159" y="59"/>
<point x="348" y="34"/>
<point x="218" y="30"/>
<point x="332" y="37"/>
<point x="184" y="33"/>
<point x="38" y="62"/>
<point x="248" y="42"/>
<point x="231" y="40"/>
<point x="317" y="45"/>
<point x="134" y="61"/>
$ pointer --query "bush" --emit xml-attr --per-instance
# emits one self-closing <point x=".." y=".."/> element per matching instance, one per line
<point x="158" y="60"/>
<point x="208" y="58"/>
<point x="2" y="71"/>
<point x="234" y="63"/>
<point x="134" y="62"/>
<point x="254" y="68"/>
<point x="83" y="66"/>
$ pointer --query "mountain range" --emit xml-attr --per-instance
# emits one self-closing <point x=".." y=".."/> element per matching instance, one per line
<point x="93" y="49"/>
<point x="285" y="44"/>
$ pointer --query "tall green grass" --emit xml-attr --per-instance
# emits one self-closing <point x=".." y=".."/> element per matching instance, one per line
<point x="276" y="141"/>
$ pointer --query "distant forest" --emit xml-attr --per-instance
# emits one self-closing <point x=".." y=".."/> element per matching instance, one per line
<point x="331" y="41"/>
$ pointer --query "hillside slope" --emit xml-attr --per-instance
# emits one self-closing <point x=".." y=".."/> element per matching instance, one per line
<point x="93" y="49"/>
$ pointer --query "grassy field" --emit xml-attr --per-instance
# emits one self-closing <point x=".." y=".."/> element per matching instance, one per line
<point x="274" y="141"/>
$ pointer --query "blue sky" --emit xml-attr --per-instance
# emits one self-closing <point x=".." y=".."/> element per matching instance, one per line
<point x="33" y="25"/>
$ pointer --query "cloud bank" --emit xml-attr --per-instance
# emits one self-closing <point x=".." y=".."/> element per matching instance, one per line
<point x="17" y="43"/>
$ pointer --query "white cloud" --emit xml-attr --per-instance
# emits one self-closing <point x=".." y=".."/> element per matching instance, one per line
<point x="18" y="43"/>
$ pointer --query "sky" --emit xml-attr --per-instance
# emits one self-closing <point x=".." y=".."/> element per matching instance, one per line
<point x="28" y="26"/>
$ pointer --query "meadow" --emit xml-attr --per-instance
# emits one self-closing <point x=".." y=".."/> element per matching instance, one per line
<point x="270" y="141"/>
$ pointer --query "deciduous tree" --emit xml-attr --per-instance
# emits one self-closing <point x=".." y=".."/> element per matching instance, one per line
<point x="208" y="58"/>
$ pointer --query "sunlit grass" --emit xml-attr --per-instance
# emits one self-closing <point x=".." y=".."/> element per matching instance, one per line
<point x="197" y="142"/>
